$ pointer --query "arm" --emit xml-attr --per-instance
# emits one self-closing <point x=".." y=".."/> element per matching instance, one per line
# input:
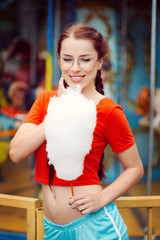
<point x="133" y="172"/>
<point x="30" y="135"/>
<point x="27" y="139"/>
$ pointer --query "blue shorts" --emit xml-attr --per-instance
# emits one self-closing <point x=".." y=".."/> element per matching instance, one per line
<point x="105" y="224"/>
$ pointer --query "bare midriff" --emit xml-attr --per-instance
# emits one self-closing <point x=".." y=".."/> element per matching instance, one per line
<point x="56" y="202"/>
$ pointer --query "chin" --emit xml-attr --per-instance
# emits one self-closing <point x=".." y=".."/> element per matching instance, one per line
<point x="74" y="84"/>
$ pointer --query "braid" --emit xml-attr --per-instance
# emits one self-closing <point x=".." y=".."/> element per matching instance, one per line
<point x="99" y="88"/>
<point x="99" y="83"/>
<point x="101" y="172"/>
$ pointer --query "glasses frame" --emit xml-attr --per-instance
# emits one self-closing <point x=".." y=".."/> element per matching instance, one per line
<point x="59" y="64"/>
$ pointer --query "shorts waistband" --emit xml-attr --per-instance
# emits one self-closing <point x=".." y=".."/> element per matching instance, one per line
<point x="78" y="221"/>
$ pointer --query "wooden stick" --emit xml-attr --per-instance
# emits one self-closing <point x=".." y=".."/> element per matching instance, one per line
<point x="72" y="190"/>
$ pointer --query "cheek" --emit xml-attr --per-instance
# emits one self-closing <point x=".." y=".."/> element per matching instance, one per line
<point x="92" y="74"/>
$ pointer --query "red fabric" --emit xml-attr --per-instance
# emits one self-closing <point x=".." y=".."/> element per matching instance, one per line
<point x="111" y="128"/>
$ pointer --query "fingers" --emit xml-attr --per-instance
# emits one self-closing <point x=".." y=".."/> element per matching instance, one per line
<point x="84" y="203"/>
<point x="81" y="206"/>
<point x="77" y="204"/>
<point x="84" y="208"/>
<point x="61" y="88"/>
<point x="78" y="198"/>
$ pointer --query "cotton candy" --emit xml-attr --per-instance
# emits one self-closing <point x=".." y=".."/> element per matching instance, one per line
<point x="69" y="126"/>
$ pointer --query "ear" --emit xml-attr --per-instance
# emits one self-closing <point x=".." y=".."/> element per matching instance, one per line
<point x="100" y="63"/>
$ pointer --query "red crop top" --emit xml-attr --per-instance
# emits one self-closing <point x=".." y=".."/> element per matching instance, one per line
<point x="111" y="128"/>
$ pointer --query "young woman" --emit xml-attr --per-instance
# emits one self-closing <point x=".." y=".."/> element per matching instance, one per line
<point x="90" y="213"/>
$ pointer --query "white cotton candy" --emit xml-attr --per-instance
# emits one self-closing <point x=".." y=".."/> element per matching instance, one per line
<point x="69" y="126"/>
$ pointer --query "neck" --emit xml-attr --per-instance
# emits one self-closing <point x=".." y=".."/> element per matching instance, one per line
<point x="89" y="92"/>
<point x="92" y="94"/>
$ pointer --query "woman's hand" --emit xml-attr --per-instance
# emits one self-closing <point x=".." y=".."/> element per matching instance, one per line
<point x="61" y="87"/>
<point x="86" y="202"/>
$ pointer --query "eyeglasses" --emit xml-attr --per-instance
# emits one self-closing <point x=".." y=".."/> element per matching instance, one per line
<point x="86" y="63"/>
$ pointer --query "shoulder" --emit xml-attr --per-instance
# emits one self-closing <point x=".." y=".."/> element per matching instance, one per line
<point x="107" y="105"/>
<point x="47" y="94"/>
<point x="116" y="129"/>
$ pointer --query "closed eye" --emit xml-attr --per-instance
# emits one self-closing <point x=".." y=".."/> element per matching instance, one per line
<point x="85" y="59"/>
<point x="67" y="59"/>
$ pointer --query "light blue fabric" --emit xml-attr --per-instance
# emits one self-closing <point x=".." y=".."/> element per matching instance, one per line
<point x="105" y="224"/>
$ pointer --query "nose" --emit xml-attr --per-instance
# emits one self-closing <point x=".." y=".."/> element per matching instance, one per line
<point x="75" y="67"/>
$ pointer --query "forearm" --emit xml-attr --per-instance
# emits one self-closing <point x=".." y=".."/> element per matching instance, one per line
<point x="121" y="185"/>
<point x="26" y="142"/>
<point x="133" y="172"/>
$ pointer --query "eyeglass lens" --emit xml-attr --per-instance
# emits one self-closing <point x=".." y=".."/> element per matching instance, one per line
<point x="66" y="63"/>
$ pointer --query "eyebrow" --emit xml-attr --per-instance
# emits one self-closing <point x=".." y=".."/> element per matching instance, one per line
<point x="84" y="55"/>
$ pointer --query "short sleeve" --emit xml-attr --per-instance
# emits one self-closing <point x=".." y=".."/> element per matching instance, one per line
<point x="117" y="131"/>
<point x="34" y="115"/>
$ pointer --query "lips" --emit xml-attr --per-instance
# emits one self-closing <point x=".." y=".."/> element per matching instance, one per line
<point x="76" y="78"/>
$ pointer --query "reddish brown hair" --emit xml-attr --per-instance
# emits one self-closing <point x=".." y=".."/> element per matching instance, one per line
<point x="81" y="31"/>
